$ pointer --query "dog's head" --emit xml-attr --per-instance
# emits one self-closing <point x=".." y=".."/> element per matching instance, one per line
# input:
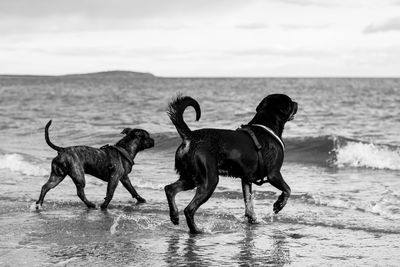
<point x="138" y="136"/>
<point x="278" y="104"/>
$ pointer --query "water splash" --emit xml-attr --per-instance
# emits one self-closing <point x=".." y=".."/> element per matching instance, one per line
<point x="113" y="228"/>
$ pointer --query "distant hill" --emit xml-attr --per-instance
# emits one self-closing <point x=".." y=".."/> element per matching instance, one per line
<point x="103" y="74"/>
<point x="114" y="74"/>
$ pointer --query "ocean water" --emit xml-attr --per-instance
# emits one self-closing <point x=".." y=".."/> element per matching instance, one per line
<point x="342" y="163"/>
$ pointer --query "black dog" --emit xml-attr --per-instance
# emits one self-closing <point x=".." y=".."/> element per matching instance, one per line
<point x="109" y="163"/>
<point x="251" y="154"/>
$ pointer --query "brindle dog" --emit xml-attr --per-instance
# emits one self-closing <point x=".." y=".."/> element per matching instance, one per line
<point x="206" y="153"/>
<point x="109" y="163"/>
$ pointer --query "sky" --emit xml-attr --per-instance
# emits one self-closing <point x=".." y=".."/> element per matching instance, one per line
<point x="203" y="38"/>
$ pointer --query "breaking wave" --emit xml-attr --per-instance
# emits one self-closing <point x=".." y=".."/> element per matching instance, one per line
<point x="369" y="155"/>
<point x="20" y="164"/>
<point x="342" y="152"/>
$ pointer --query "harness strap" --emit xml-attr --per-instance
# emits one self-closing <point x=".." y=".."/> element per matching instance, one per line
<point x="272" y="133"/>
<point x="122" y="152"/>
<point x="247" y="129"/>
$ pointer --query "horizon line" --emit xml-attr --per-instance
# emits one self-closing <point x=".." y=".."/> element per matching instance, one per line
<point x="199" y="77"/>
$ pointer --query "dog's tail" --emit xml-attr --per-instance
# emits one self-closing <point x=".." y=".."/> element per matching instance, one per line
<point x="46" y="136"/>
<point x="175" y="113"/>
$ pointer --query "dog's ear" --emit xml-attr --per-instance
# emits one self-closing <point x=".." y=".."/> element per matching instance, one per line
<point x="138" y="132"/>
<point x="126" y="131"/>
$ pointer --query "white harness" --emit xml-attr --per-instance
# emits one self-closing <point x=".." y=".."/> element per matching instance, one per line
<point x="272" y="133"/>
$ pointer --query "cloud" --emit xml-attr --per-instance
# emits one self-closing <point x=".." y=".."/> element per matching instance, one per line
<point x="309" y="2"/>
<point x="303" y="26"/>
<point x="94" y="51"/>
<point x="26" y="16"/>
<point x="252" y="26"/>
<point x="392" y="24"/>
<point x="285" y="52"/>
<point x="76" y="23"/>
<point x="132" y="9"/>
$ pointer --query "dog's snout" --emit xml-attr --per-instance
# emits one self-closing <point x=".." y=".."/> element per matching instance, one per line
<point x="151" y="142"/>
<point x="294" y="107"/>
<point x="294" y="111"/>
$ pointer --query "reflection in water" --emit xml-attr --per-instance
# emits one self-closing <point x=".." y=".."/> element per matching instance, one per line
<point x="172" y="254"/>
<point x="188" y="252"/>
<point x="192" y="252"/>
<point x="254" y="249"/>
<point x="172" y="250"/>
<point x="279" y="254"/>
<point x="246" y="254"/>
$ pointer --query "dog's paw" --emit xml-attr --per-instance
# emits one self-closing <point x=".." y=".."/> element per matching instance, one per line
<point x="196" y="231"/>
<point x="35" y="207"/>
<point x="91" y="206"/>
<point x="251" y="219"/>
<point x="280" y="203"/>
<point x="174" y="219"/>
<point x="278" y="206"/>
<point x="140" y="200"/>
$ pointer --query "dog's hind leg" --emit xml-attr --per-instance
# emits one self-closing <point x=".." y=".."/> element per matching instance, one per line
<point x="171" y="190"/>
<point x="207" y="166"/>
<point x="127" y="184"/>
<point x="276" y="180"/>
<point x="248" y="202"/>
<point x="56" y="176"/>
<point x="78" y="177"/>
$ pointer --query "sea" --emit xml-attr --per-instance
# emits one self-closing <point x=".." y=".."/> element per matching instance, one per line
<point x="342" y="162"/>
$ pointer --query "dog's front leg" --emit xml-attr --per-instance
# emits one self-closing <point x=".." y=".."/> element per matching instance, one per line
<point x="248" y="201"/>
<point x="112" y="185"/>
<point x="276" y="180"/>
<point x="128" y="186"/>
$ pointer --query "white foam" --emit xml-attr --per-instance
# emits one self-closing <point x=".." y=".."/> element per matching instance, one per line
<point x="143" y="222"/>
<point x="357" y="154"/>
<point x="113" y="228"/>
<point x="388" y="206"/>
<point x="17" y="163"/>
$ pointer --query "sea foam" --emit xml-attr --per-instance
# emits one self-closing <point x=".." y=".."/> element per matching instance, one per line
<point x="17" y="163"/>
<point x="359" y="154"/>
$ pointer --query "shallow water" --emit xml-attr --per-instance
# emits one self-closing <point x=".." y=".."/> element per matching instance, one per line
<point x="342" y="163"/>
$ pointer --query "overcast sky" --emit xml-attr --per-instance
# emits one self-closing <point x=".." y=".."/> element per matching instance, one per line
<point x="202" y="38"/>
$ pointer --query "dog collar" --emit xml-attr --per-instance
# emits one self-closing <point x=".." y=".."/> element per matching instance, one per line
<point x="123" y="153"/>
<point x="272" y="133"/>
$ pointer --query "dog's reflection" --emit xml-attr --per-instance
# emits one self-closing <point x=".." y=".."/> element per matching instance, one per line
<point x="253" y="249"/>
<point x="273" y="251"/>
<point x="184" y="250"/>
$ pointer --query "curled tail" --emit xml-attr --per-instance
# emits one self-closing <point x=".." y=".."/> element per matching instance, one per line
<point x="46" y="136"/>
<point x="175" y="113"/>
